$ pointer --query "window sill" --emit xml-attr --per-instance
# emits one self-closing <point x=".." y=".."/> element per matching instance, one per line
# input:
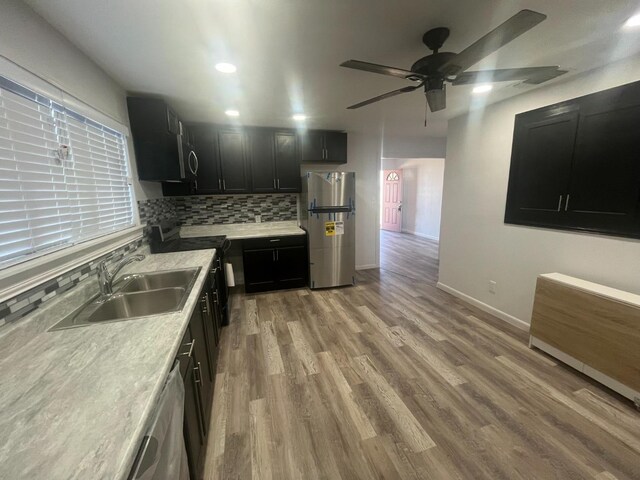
<point x="22" y="277"/>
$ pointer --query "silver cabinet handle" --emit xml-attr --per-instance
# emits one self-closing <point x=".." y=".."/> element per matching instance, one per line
<point x="190" y="352"/>
<point x="277" y="255"/>
<point x="566" y="205"/>
<point x="278" y="184"/>
<point x="274" y="184"/>
<point x="204" y="301"/>
<point x="273" y="254"/>
<point x="559" y="202"/>
<point x="197" y="369"/>
<point x="274" y="240"/>
<point x="224" y="185"/>
<point x="219" y="184"/>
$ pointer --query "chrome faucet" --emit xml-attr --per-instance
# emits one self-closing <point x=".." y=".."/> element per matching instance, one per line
<point x="105" y="279"/>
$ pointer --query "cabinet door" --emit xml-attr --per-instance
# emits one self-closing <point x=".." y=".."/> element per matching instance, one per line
<point x="291" y="266"/>
<point x="204" y="381"/>
<point x="605" y="179"/>
<point x="259" y="270"/>
<point x="206" y="148"/>
<point x="263" y="167"/>
<point x="335" y="144"/>
<point x="193" y="422"/>
<point x="540" y="167"/>
<point x="287" y="164"/>
<point x="233" y="161"/>
<point x="312" y="147"/>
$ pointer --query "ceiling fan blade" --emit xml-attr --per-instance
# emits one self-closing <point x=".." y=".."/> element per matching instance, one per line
<point x="532" y="75"/>
<point x="520" y="23"/>
<point x="381" y="69"/>
<point x="385" y="95"/>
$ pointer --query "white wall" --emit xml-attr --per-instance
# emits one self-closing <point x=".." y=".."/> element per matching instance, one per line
<point x="422" y="183"/>
<point x="364" y="154"/>
<point x="30" y="42"/>
<point x="475" y="244"/>
<point x="414" y="147"/>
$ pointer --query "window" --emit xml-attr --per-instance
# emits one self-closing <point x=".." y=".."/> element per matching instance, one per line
<point x="64" y="178"/>
<point x="392" y="177"/>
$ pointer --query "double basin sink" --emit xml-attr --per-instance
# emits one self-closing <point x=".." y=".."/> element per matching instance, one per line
<point x="140" y="295"/>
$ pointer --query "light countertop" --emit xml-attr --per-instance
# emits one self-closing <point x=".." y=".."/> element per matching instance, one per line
<point x="236" y="231"/>
<point x="75" y="404"/>
<point x="595" y="288"/>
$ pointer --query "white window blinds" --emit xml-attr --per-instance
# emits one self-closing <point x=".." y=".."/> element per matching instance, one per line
<point x="64" y="178"/>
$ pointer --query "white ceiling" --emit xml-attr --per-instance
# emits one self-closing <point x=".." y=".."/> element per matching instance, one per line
<point x="288" y="52"/>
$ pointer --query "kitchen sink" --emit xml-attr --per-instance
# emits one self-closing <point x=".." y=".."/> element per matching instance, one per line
<point x="139" y="304"/>
<point x="157" y="280"/>
<point x="141" y="295"/>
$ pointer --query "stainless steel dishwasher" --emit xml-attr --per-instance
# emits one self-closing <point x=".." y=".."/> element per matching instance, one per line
<point x="162" y="455"/>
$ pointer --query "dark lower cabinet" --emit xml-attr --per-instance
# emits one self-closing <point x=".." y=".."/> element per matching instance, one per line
<point x="574" y="165"/>
<point x="197" y="356"/>
<point x="275" y="263"/>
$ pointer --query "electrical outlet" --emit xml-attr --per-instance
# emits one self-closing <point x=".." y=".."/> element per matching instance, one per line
<point x="492" y="286"/>
<point x="258" y="218"/>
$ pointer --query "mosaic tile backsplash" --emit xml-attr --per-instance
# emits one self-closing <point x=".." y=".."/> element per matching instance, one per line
<point x="218" y="209"/>
<point x="156" y="209"/>
<point x="28" y="301"/>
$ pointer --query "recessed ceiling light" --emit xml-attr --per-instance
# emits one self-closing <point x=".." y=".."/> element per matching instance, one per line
<point x="299" y="117"/>
<point x="633" y="22"/>
<point x="482" y="88"/>
<point x="232" y="113"/>
<point x="226" y="67"/>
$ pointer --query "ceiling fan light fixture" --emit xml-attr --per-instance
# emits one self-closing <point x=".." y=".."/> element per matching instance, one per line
<point x="633" y="22"/>
<point x="232" y="113"/>
<point x="226" y="67"/>
<point x="482" y="88"/>
<point x="299" y="117"/>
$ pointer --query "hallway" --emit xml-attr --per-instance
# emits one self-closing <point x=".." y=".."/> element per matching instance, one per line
<point x="409" y="255"/>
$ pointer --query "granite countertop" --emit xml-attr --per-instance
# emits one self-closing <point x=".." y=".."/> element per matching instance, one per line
<point x="235" y="231"/>
<point x="75" y="404"/>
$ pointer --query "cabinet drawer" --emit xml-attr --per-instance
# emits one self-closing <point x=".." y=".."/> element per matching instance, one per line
<point x="273" y="242"/>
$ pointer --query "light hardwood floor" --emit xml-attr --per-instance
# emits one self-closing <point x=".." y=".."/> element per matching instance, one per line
<point x="394" y="379"/>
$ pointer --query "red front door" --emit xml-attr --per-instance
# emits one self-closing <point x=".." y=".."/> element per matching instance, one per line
<point x="392" y="200"/>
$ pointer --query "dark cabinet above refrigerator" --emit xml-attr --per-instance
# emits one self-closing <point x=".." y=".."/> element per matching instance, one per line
<point x="163" y="145"/>
<point x="320" y="146"/>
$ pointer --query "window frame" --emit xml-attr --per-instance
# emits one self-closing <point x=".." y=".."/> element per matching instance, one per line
<point x="21" y="276"/>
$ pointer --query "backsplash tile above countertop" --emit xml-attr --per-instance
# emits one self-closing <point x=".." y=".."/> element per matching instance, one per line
<point x="219" y="209"/>
<point x="224" y="209"/>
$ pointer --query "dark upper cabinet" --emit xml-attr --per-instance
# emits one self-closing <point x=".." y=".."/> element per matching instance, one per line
<point x="336" y="147"/>
<point x="312" y="146"/>
<point x="541" y="166"/>
<point x="205" y="142"/>
<point x="287" y="163"/>
<point x="605" y="180"/>
<point x="263" y="164"/>
<point x="575" y="165"/>
<point x="157" y="141"/>
<point x="234" y="162"/>
<point x="318" y="146"/>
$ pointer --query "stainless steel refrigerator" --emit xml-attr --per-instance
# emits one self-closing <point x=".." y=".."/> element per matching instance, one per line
<point x="328" y="216"/>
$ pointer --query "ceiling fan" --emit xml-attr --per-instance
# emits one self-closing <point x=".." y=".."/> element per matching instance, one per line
<point x="433" y="71"/>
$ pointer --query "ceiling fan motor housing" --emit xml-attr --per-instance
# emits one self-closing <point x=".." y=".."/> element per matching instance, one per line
<point x="430" y="64"/>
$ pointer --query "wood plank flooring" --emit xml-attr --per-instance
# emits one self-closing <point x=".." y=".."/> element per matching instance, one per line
<point x="395" y="379"/>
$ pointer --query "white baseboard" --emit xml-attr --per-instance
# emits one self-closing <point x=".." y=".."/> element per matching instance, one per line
<point x="367" y="267"/>
<point x="516" y="322"/>
<point x="418" y="234"/>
